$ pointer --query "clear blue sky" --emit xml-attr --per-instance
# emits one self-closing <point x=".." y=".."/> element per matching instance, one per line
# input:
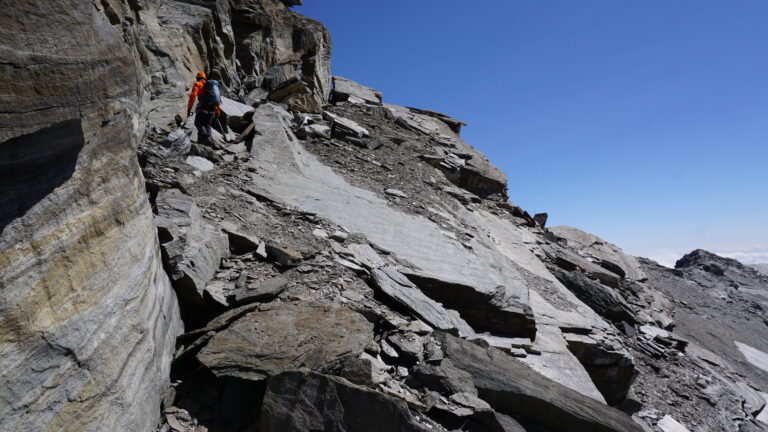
<point x="644" y="122"/>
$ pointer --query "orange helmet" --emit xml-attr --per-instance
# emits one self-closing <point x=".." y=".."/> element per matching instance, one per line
<point x="201" y="75"/>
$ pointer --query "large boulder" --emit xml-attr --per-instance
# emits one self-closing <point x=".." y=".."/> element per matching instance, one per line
<point x="87" y="316"/>
<point x="284" y="337"/>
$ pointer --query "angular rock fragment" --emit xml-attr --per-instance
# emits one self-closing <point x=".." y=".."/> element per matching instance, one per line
<point x="366" y="371"/>
<point x="396" y="193"/>
<point x="284" y="256"/>
<point x="176" y="144"/>
<point x="512" y="388"/>
<point x="541" y="219"/>
<point x="452" y="123"/>
<point x="300" y="402"/>
<point x="496" y="312"/>
<point x="314" y="130"/>
<point x="570" y="261"/>
<point x="281" y="337"/>
<point x="240" y="242"/>
<point x="200" y="163"/>
<point x="268" y="289"/>
<point x="191" y="247"/>
<point x="409" y="345"/>
<point x="611" y="368"/>
<point x="342" y="127"/>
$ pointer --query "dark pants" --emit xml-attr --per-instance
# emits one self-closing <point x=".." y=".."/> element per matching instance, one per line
<point x="203" y="120"/>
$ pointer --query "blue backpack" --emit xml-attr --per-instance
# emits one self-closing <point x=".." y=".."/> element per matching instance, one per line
<point x="210" y="97"/>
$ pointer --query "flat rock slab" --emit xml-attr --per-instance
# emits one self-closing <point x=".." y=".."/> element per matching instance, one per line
<point x="557" y="363"/>
<point x="282" y="337"/>
<point x="514" y="389"/>
<point x="347" y="126"/>
<point x="284" y="169"/>
<point x="200" y="163"/>
<point x="234" y="109"/>
<point x="754" y="355"/>
<point x="298" y="401"/>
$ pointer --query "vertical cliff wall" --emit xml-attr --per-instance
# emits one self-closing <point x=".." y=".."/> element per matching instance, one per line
<point x="87" y="316"/>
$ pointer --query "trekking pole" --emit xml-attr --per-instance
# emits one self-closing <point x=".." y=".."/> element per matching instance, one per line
<point x="223" y="130"/>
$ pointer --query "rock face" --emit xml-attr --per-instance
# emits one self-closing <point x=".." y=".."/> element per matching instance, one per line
<point x="287" y="55"/>
<point x="333" y="255"/>
<point x="88" y="318"/>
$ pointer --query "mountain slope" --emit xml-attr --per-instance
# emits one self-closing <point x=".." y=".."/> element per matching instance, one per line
<point x="347" y="257"/>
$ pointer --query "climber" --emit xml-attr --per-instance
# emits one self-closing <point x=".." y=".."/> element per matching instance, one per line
<point x="208" y="95"/>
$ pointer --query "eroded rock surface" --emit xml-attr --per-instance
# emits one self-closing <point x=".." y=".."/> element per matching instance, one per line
<point x="87" y="314"/>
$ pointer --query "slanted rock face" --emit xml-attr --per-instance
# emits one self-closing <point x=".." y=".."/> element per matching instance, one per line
<point x="285" y="170"/>
<point x="514" y="389"/>
<point x="87" y="315"/>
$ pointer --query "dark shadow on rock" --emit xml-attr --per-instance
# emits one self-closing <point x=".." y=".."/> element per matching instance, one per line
<point x="35" y="164"/>
<point x="224" y="404"/>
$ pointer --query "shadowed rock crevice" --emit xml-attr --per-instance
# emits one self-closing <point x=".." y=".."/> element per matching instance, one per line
<point x="485" y="312"/>
<point x="35" y="164"/>
<point x="612" y="372"/>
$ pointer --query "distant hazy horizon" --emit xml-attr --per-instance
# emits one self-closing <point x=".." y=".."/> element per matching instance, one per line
<point x="641" y="122"/>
